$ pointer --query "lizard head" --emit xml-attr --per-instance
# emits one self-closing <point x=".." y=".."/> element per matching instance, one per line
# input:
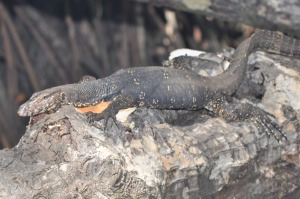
<point x="44" y="101"/>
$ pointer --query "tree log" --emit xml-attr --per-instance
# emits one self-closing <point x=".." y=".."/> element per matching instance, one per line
<point x="275" y="15"/>
<point x="162" y="153"/>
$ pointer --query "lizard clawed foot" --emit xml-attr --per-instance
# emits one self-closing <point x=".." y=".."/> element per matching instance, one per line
<point x="91" y="117"/>
<point x="268" y="126"/>
<point x="246" y="111"/>
<point x="94" y="117"/>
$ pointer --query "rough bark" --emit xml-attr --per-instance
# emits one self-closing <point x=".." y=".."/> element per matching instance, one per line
<point x="276" y="14"/>
<point x="166" y="154"/>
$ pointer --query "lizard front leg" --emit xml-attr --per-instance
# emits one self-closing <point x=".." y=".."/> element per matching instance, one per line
<point x="247" y="112"/>
<point x="111" y="108"/>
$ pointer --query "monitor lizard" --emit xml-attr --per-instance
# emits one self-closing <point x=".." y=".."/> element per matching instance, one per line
<point x="169" y="88"/>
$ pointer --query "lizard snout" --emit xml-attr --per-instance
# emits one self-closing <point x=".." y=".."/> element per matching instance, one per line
<point x="22" y="110"/>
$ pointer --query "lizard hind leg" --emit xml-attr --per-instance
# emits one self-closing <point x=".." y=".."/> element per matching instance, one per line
<point x="247" y="112"/>
<point x="207" y="64"/>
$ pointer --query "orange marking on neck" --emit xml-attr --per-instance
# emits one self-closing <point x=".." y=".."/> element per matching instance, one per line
<point x="98" y="108"/>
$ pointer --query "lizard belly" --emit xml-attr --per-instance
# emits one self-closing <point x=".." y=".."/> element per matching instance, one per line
<point x="98" y="108"/>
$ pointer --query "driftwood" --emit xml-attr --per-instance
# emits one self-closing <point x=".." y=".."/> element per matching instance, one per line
<point x="163" y="153"/>
<point x="276" y="15"/>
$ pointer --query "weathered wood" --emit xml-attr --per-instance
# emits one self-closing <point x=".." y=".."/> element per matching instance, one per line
<point x="276" y="14"/>
<point x="166" y="154"/>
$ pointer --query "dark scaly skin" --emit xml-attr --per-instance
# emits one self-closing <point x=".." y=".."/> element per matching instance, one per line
<point x="169" y="88"/>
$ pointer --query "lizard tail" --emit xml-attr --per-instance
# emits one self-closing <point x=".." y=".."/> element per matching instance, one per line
<point x="276" y="42"/>
<point x="269" y="41"/>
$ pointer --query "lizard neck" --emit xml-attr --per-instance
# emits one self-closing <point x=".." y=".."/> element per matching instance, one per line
<point x="90" y="93"/>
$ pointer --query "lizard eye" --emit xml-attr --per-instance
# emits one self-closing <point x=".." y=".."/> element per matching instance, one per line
<point x="46" y="97"/>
